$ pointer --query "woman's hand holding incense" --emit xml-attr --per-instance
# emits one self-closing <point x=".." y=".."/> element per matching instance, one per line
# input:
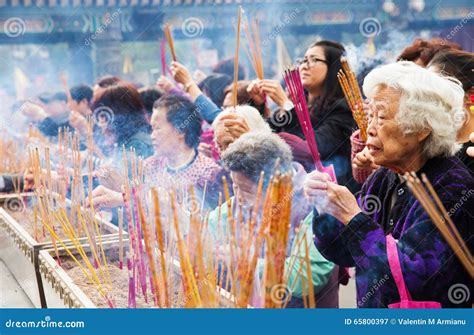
<point x="164" y="84"/>
<point x="102" y="197"/>
<point x="330" y="198"/>
<point x="183" y="76"/>
<point x="273" y="89"/>
<point x="181" y="73"/>
<point x="256" y="93"/>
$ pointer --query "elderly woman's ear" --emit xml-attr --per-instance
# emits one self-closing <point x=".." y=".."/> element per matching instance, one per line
<point x="423" y="134"/>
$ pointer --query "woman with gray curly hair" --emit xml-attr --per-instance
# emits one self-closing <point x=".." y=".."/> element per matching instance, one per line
<point x="412" y="128"/>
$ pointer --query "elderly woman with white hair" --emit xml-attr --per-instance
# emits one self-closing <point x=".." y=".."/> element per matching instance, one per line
<point x="412" y="128"/>
<point x="233" y="123"/>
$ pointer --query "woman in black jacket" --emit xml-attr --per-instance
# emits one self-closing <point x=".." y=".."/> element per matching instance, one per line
<point x="331" y="117"/>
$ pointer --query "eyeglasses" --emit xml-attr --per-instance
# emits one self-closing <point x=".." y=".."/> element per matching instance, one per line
<point x="311" y="61"/>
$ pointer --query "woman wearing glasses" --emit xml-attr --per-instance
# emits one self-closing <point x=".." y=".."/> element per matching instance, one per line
<point x="331" y="117"/>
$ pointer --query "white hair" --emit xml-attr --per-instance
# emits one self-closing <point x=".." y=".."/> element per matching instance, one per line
<point x="428" y="101"/>
<point x="251" y="115"/>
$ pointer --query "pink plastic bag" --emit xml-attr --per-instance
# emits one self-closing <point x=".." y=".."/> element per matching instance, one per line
<point x="394" y="262"/>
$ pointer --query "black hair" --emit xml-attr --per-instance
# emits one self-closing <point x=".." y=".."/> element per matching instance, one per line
<point x="149" y="95"/>
<point x="184" y="116"/>
<point x="226" y="67"/>
<point x="214" y="85"/>
<point x="331" y="90"/>
<point x="81" y="92"/>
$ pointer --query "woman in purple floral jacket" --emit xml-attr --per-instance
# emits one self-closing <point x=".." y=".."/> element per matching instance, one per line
<point x="412" y="127"/>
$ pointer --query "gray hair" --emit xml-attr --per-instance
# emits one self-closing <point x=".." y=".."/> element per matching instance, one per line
<point x="251" y="115"/>
<point x="255" y="152"/>
<point x="428" y="101"/>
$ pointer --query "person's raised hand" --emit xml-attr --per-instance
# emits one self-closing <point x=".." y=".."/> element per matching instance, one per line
<point x="330" y="198"/>
<point x="257" y="95"/>
<point x="273" y="89"/>
<point x="181" y="73"/>
<point x="164" y="84"/>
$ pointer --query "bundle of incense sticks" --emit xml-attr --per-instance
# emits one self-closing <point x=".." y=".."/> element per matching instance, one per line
<point x="169" y="39"/>
<point x="236" y="58"/>
<point x="174" y="234"/>
<point x="426" y="195"/>
<point x="54" y="216"/>
<point x="350" y="87"/>
<point x="164" y="66"/>
<point x="252" y="35"/>
<point x="132" y="193"/>
<point x="276" y="236"/>
<point x="303" y="237"/>
<point x="296" y="91"/>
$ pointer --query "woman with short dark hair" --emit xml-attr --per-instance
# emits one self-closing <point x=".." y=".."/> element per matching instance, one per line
<point x="412" y="129"/>
<point x="176" y="133"/>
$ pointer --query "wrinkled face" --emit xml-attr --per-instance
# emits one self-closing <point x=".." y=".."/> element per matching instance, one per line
<point x="164" y="136"/>
<point x="222" y="137"/>
<point x="245" y="189"/>
<point x="314" y="70"/>
<point x="386" y="142"/>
